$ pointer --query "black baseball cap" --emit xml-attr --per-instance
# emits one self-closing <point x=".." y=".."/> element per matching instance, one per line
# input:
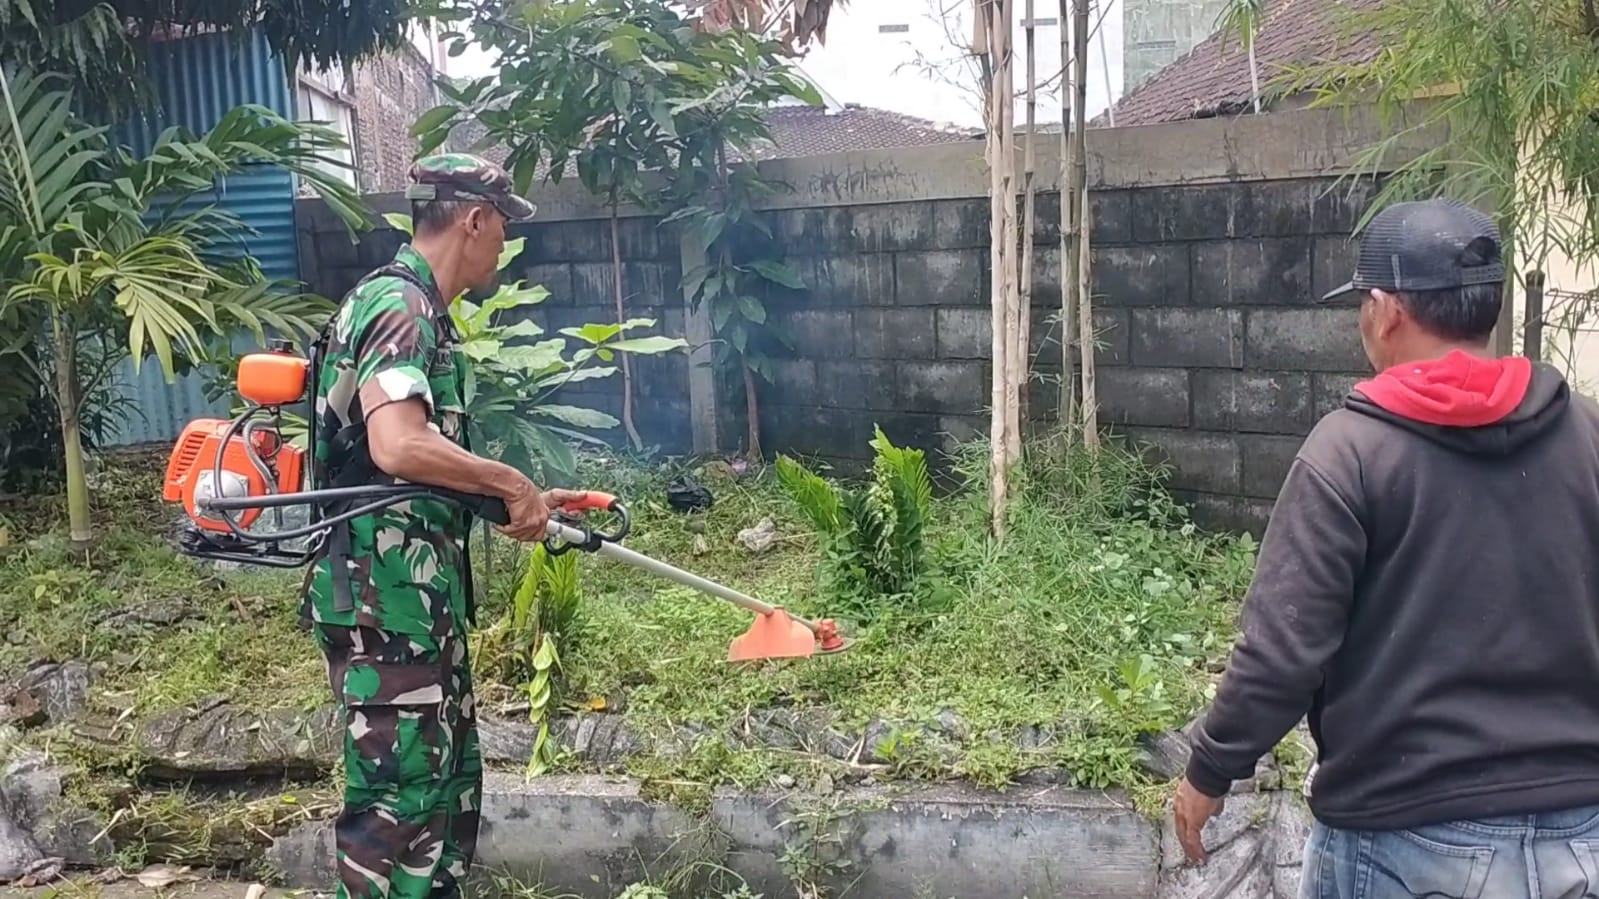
<point x="1426" y="245"/>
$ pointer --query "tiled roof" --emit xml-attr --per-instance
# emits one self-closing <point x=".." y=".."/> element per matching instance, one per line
<point x="799" y="131"/>
<point x="813" y="130"/>
<point x="1213" y="78"/>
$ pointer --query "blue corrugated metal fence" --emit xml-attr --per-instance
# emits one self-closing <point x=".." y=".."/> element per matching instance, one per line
<point x="197" y="80"/>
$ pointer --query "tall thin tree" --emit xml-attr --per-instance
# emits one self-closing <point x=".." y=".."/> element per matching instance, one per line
<point x="1085" y="305"/>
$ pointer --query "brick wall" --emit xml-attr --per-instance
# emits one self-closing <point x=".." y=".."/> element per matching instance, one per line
<point x="1212" y="348"/>
<point x="391" y="91"/>
<point x="572" y="260"/>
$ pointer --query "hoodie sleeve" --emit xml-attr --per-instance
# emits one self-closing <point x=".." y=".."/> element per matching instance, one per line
<point x="1294" y="618"/>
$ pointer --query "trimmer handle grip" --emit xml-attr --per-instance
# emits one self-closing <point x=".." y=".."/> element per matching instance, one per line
<point x="591" y="501"/>
<point x="489" y="508"/>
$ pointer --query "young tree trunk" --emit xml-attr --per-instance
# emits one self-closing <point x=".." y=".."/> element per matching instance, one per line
<point x="994" y="16"/>
<point x="752" y="411"/>
<point x="1015" y="353"/>
<point x="66" y="356"/>
<point x="621" y="316"/>
<point x="1085" y="305"/>
<point x="1029" y="222"/>
<point x="1070" y="221"/>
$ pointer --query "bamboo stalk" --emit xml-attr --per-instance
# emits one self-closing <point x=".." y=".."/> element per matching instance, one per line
<point x="1013" y="358"/>
<point x="1067" y="412"/>
<point x="1022" y="369"/>
<point x="1085" y="305"/>
<point x="996" y="148"/>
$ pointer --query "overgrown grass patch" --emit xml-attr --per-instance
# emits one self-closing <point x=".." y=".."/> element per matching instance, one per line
<point x="1098" y="618"/>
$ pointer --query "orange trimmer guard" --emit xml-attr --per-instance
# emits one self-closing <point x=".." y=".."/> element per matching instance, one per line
<point x="774" y="635"/>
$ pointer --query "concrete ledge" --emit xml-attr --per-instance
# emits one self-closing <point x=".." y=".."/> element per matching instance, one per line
<point x="591" y="837"/>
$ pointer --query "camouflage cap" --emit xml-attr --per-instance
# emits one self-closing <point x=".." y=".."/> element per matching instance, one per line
<point x="462" y="176"/>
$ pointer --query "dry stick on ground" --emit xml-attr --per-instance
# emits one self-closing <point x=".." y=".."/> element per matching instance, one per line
<point x="621" y="318"/>
<point x="1067" y="412"/>
<point x="1085" y="310"/>
<point x="1022" y="372"/>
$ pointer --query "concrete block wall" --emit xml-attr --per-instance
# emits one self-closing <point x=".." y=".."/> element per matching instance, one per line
<point x="1211" y="241"/>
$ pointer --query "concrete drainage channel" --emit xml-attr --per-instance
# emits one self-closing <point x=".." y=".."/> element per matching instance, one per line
<point x="592" y="836"/>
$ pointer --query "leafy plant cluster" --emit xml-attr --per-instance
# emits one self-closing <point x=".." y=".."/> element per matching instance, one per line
<point x="645" y="108"/>
<point x="517" y="370"/>
<point x="876" y="535"/>
<point x="100" y="250"/>
<point x="524" y="646"/>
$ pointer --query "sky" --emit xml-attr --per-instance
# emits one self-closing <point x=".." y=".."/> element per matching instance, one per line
<point x="905" y="56"/>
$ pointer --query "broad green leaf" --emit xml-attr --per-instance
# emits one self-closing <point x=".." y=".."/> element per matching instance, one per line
<point x="647" y="345"/>
<point x="594" y="333"/>
<point x="779" y="272"/>
<point x="577" y="417"/>
<point x="483" y="349"/>
<point x="522" y="328"/>
<point x="433" y="118"/>
<point x="534" y="358"/>
<point x="513" y="249"/>
<point x="751" y="309"/>
<point x="624" y="48"/>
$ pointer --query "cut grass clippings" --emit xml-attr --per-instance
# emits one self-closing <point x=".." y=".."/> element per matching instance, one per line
<point x="1099" y="618"/>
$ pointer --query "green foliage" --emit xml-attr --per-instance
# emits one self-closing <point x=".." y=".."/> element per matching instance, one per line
<point x="1098" y="619"/>
<point x="88" y="251"/>
<point x="877" y="535"/>
<point x="1512" y="86"/>
<point x="105" y="45"/>
<point x="541" y="615"/>
<point x="610" y="89"/>
<point x="517" y="372"/>
<point x="644" y="108"/>
<point x="743" y="265"/>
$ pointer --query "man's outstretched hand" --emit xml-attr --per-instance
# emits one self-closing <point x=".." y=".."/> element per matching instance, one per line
<point x="1190" y="810"/>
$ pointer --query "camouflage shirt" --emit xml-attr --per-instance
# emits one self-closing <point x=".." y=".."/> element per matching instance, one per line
<point x="390" y="342"/>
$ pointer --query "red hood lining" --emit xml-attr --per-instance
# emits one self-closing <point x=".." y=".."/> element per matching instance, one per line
<point x="1460" y="390"/>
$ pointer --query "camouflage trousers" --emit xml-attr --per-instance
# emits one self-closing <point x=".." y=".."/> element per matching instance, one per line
<point x="413" y="768"/>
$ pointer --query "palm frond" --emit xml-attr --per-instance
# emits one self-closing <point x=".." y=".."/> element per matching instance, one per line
<point x="47" y="160"/>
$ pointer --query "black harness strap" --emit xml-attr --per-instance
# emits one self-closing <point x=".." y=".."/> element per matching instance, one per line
<point x="349" y="459"/>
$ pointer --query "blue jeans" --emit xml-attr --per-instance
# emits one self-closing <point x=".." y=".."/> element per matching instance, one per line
<point x="1552" y="855"/>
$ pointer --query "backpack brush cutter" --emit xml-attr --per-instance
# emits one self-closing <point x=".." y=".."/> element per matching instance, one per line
<point x="225" y="474"/>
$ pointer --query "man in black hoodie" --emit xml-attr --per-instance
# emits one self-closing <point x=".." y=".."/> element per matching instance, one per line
<point x="1427" y="593"/>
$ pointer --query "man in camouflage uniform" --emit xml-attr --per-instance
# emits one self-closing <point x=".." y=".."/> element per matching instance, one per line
<point x="392" y="599"/>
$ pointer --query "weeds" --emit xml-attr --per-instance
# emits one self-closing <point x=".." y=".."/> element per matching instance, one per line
<point x="1098" y="618"/>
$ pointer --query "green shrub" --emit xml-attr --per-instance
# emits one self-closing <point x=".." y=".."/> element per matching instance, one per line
<point x="877" y="535"/>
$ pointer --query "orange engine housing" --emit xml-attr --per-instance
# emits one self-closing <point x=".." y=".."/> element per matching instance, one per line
<point x="190" y="470"/>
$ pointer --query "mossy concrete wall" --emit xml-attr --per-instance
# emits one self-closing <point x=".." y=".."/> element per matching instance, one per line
<point x="1211" y="239"/>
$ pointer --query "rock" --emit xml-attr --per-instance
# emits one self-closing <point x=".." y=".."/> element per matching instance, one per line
<point x="32" y="786"/>
<point x="215" y="738"/>
<point x="19" y="708"/>
<point x="1164" y="756"/>
<point x="1255" y="845"/>
<point x="63" y="689"/>
<point x="759" y="539"/>
<point x="18" y="853"/>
